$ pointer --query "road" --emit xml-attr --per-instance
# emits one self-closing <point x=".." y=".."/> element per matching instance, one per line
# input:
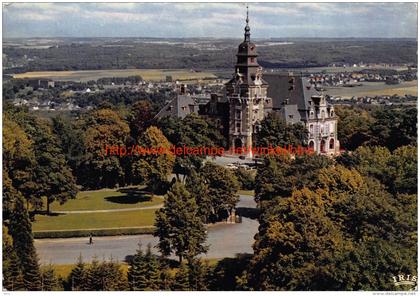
<point x="224" y="240"/>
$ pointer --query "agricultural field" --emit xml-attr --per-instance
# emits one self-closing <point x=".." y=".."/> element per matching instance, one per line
<point x="87" y="75"/>
<point x="375" y="89"/>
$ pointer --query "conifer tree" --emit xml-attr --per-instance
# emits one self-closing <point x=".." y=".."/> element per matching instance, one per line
<point x="50" y="282"/>
<point x="12" y="273"/>
<point x="197" y="275"/>
<point x="152" y="270"/>
<point x="181" y="282"/>
<point x="21" y="232"/>
<point x="77" y="276"/>
<point x="113" y="277"/>
<point x="136" y="271"/>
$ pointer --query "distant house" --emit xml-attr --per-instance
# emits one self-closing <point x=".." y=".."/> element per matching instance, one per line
<point x="41" y="83"/>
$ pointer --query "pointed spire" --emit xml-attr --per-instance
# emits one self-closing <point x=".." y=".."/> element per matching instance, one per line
<point x="247" y="29"/>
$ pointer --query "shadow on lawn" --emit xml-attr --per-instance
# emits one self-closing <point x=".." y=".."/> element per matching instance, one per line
<point x="131" y="196"/>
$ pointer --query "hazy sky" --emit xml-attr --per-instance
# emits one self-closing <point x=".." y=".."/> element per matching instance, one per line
<point x="209" y="20"/>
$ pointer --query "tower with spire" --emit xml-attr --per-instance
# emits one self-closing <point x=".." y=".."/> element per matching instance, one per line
<point x="246" y="93"/>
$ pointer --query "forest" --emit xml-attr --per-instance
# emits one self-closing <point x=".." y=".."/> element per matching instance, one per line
<point x="123" y="53"/>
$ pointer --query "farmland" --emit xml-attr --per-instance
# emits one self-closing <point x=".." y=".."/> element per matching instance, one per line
<point x="375" y="89"/>
<point x="87" y="75"/>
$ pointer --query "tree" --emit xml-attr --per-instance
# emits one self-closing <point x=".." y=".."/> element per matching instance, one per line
<point x="246" y="178"/>
<point x="21" y="231"/>
<point x="50" y="282"/>
<point x="77" y="276"/>
<point x="181" y="281"/>
<point x="178" y="225"/>
<point x="199" y="190"/>
<point x="153" y="167"/>
<point x="198" y="275"/>
<point x="12" y="272"/>
<point x="69" y="135"/>
<point x="53" y="176"/>
<point x="141" y="117"/>
<point x="222" y="190"/>
<point x="275" y="132"/>
<point x="144" y="274"/>
<point x="19" y="161"/>
<point x="343" y="231"/>
<point x="192" y="131"/>
<point x="393" y="128"/>
<point x="137" y="271"/>
<point x="353" y="126"/>
<point x="279" y="175"/>
<point x="100" y="168"/>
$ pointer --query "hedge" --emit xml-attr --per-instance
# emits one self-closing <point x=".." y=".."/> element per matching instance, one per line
<point x="94" y="232"/>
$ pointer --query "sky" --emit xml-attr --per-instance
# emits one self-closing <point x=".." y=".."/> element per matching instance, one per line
<point x="267" y="20"/>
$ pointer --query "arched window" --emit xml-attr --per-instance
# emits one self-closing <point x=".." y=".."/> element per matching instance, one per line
<point x="332" y="113"/>
<point x="331" y="144"/>
<point x="311" y="145"/>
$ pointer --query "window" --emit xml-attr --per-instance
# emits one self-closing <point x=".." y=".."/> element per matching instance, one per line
<point x="311" y="128"/>
<point x="252" y="60"/>
<point x="238" y="114"/>
<point x="291" y="116"/>
<point x="332" y="113"/>
<point x="238" y="126"/>
<point x="331" y="144"/>
<point x="322" y="114"/>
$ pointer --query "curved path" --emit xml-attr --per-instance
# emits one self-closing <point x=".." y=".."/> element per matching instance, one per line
<point x="109" y="210"/>
<point x="224" y="240"/>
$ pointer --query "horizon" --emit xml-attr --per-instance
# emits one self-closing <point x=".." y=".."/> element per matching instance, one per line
<point x="208" y="20"/>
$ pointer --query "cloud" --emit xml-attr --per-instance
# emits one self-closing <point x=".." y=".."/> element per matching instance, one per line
<point x="210" y="19"/>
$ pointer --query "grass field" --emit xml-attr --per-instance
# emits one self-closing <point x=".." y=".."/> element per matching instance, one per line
<point x="86" y="75"/>
<point x="134" y="218"/>
<point x="108" y="199"/>
<point x="375" y="89"/>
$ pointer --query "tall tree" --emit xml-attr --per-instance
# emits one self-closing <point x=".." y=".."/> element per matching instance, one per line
<point x="222" y="189"/>
<point x="21" y="231"/>
<point x="155" y="165"/>
<point x="137" y="279"/>
<point x="54" y="178"/>
<point x="50" y="281"/>
<point x="12" y="272"/>
<point x="141" y="117"/>
<point x="77" y="276"/>
<point x="178" y="225"/>
<point x="100" y="166"/>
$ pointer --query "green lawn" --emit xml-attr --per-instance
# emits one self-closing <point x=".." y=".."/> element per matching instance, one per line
<point x="108" y="199"/>
<point x="135" y="218"/>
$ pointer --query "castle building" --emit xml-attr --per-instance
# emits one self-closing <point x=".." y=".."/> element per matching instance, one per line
<point x="246" y="94"/>
<point x="251" y="94"/>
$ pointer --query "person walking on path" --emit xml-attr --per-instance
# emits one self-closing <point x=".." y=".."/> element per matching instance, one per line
<point x="90" y="239"/>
